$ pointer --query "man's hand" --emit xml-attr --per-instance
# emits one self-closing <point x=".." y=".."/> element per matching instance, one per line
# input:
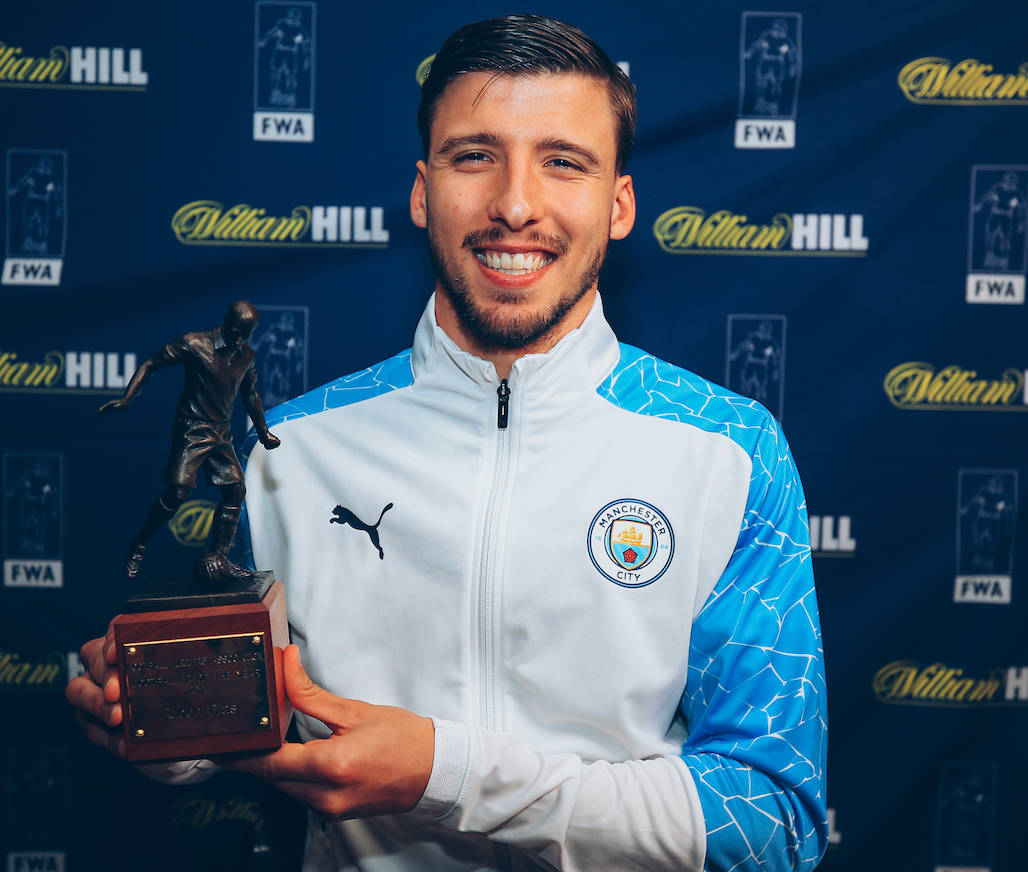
<point x="269" y="440"/>
<point x="113" y="405"/>
<point x="377" y="761"/>
<point x="97" y="695"/>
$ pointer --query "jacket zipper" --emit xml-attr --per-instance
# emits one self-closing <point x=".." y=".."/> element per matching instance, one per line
<point x="487" y="571"/>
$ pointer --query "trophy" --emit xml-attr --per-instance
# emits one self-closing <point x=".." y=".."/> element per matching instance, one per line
<point x="200" y="660"/>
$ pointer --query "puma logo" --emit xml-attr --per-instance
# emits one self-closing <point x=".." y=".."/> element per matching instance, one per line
<point x="344" y="516"/>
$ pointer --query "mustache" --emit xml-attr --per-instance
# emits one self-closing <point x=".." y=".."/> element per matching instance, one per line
<point x="497" y="235"/>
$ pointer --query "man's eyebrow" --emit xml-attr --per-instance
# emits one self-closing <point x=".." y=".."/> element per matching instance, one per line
<point x="481" y="138"/>
<point x="586" y="154"/>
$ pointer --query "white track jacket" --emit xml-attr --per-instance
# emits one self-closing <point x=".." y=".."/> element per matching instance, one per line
<point x="599" y="587"/>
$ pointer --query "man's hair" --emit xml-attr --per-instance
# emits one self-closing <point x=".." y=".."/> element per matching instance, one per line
<point x="524" y="45"/>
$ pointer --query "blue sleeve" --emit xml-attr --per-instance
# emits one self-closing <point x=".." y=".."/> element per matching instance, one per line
<point x="755" y="699"/>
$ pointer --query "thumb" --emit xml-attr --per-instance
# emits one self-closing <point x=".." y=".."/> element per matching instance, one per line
<point x="310" y="698"/>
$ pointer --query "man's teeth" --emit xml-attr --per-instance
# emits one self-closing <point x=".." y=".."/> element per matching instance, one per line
<point x="513" y="264"/>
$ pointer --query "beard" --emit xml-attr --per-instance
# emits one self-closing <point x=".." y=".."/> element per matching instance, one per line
<point x="509" y="330"/>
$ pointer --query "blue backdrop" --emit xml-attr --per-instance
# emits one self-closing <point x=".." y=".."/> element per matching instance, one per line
<point x="831" y="219"/>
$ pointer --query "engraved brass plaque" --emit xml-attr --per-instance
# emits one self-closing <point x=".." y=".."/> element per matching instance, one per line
<point x="185" y="688"/>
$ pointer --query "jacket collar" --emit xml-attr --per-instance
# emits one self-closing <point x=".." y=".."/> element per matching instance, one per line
<point x="581" y="360"/>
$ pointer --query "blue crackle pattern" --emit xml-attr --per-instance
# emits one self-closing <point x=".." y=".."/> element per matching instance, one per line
<point x="389" y="375"/>
<point x="755" y="699"/>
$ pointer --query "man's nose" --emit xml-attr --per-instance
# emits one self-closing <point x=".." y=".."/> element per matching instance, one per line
<point x="517" y="200"/>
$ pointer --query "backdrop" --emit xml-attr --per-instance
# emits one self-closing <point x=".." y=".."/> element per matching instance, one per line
<point x="831" y="220"/>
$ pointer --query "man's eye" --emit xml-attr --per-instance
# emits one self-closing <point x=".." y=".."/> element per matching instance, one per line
<point x="563" y="163"/>
<point x="472" y="157"/>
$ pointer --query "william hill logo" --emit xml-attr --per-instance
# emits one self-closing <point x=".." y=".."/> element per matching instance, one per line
<point x="191" y="524"/>
<point x="67" y="372"/>
<point x="207" y="222"/>
<point x="965" y="83"/>
<point x="18" y="674"/>
<point x="904" y="682"/>
<point x="690" y="230"/>
<point x="85" y="67"/>
<point x="917" y="385"/>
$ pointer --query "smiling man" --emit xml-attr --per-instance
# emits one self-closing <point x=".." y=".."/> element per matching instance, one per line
<point x="616" y="665"/>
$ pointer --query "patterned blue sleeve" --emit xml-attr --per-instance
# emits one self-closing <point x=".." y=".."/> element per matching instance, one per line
<point x="755" y="700"/>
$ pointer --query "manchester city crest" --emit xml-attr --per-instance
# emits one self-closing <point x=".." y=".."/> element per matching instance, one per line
<point x="630" y="542"/>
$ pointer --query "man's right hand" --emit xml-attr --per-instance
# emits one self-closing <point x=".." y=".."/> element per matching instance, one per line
<point x="97" y="694"/>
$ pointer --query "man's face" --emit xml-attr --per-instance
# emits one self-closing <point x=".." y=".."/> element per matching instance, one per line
<point x="520" y="196"/>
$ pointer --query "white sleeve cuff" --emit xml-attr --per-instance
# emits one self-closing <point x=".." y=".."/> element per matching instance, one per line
<point x="450" y="765"/>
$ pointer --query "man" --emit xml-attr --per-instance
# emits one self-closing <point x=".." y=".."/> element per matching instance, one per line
<point x="595" y="574"/>
<point x="218" y="365"/>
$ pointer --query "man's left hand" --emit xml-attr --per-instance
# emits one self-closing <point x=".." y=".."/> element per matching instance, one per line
<point x="270" y="440"/>
<point x="377" y="761"/>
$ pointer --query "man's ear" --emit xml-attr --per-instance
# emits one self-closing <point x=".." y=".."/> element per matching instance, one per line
<point x="622" y="212"/>
<point x="418" y="206"/>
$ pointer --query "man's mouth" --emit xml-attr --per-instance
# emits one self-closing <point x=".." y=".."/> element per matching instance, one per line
<point x="518" y="264"/>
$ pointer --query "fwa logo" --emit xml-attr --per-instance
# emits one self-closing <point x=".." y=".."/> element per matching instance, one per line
<point x="630" y="542"/>
<point x="65" y="372"/>
<point x="996" y="250"/>
<point x="966" y="83"/>
<point x="965" y="824"/>
<point x="770" y="59"/>
<point x="755" y="359"/>
<point x="209" y="222"/>
<point x="917" y="384"/>
<point x="283" y="64"/>
<point x="986" y="521"/>
<point x="280" y="343"/>
<point x="76" y="68"/>
<point x="37" y="216"/>
<point x="33" y="514"/>
<point x="37" y="787"/>
<point x="690" y="230"/>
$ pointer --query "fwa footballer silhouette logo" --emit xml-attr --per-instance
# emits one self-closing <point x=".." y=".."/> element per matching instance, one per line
<point x="997" y="253"/>
<point x="283" y="60"/>
<point x="33" y="519"/>
<point x="37" y="216"/>
<point x="986" y="523"/>
<point x="770" y="60"/>
<point x="755" y="359"/>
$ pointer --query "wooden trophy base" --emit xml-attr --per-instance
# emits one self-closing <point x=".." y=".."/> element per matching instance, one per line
<point x="201" y="670"/>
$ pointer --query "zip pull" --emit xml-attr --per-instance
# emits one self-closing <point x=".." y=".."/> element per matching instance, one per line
<point x="503" y="404"/>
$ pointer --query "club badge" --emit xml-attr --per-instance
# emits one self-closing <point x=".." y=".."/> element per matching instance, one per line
<point x="631" y="542"/>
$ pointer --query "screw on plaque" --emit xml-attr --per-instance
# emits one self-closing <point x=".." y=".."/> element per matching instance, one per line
<point x="265" y="721"/>
<point x="256" y="640"/>
<point x="140" y="733"/>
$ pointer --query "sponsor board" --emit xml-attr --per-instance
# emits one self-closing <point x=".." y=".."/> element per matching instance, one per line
<point x="831" y="536"/>
<point x="997" y="255"/>
<point x="938" y="685"/>
<point x="33" y="537"/>
<point x="37" y="216"/>
<point x="692" y="230"/>
<point x="78" y="67"/>
<point x="986" y="521"/>
<point x="770" y="60"/>
<point x="965" y="822"/>
<point x="834" y="836"/>
<point x="969" y="82"/>
<point x="755" y="359"/>
<point x="283" y="71"/>
<point x="209" y="222"/>
<point x="65" y="372"/>
<point x="917" y="384"/>
<point x="18" y="672"/>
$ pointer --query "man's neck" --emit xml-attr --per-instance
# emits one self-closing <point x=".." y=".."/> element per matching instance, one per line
<point x="500" y="357"/>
